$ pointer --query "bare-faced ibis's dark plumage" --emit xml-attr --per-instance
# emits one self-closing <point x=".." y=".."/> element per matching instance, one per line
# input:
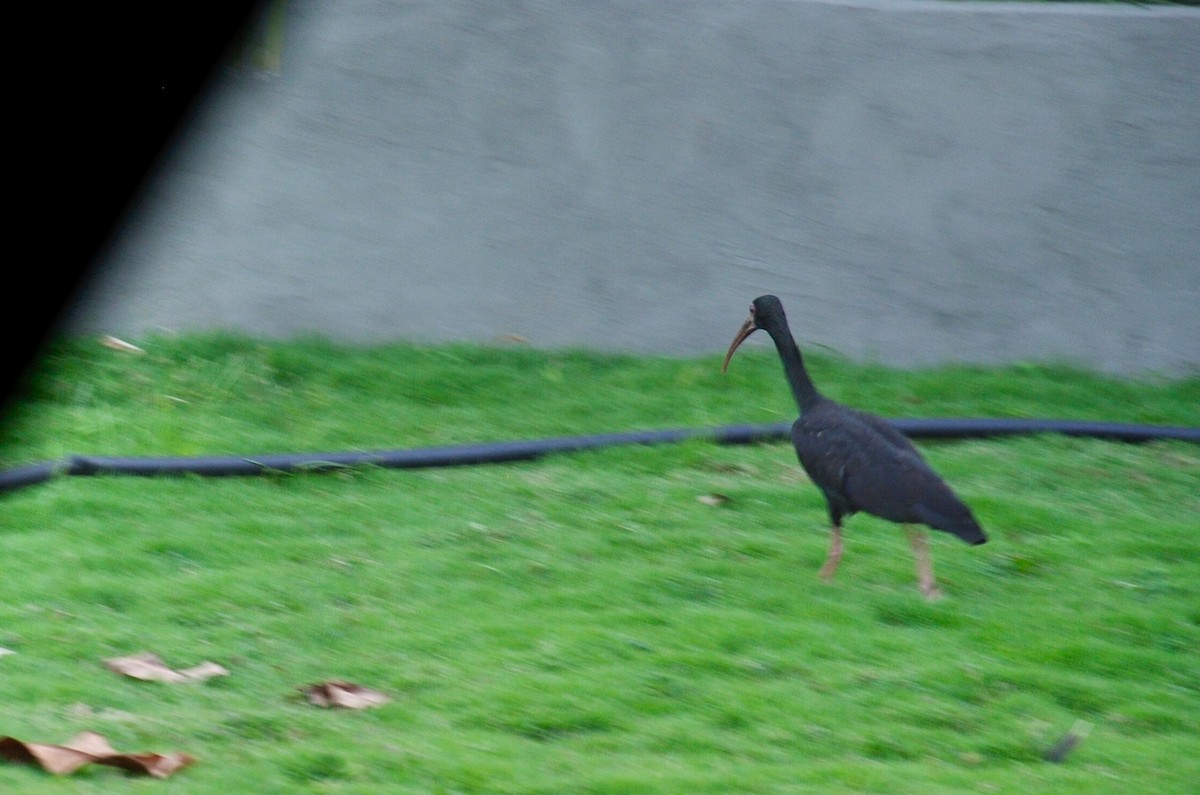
<point x="859" y="461"/>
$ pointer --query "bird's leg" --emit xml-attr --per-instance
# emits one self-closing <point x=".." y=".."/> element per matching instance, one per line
<point x="920" y="547"/>
<point x="835" y="554"/>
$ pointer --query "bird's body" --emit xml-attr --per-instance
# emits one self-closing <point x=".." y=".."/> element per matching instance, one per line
<point x="862" y="463"/>
<point x="859" y="461"/>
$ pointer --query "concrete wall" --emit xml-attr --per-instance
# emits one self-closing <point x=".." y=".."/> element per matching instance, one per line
<point x="919" y="181"/>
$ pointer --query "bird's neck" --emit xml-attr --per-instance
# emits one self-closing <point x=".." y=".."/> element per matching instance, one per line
<point x="803" y="389"/>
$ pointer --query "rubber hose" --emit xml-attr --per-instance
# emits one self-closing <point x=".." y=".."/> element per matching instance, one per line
<point x="501" y="452"/>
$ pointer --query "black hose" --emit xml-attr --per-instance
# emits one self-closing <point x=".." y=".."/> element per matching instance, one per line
<point x="13" y="479"/>
<point x="989" y="428"/>
<point x="500" y="452"/>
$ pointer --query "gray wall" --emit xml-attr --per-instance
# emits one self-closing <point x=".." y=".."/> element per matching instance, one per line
<point x="918" y="181"/>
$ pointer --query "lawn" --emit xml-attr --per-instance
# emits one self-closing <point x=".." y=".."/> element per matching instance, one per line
<point x="586" y="623"/>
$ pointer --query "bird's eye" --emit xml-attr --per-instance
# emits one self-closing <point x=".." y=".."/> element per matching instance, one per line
<point x="751" y="309"/>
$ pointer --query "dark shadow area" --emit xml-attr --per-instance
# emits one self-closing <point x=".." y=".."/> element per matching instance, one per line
<point x="104" y="91"/>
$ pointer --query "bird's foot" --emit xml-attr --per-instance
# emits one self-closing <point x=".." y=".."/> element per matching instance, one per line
<point x="827" y="572"/>
<point x="932" y="593"/>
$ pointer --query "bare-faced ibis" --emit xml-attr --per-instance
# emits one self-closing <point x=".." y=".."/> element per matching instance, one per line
<point x="860" y="461"/>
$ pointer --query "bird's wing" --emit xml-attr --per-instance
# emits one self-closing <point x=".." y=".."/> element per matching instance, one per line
<point x="882" y="478"/>
<point x="901" y="487"/>
<point x="838" y="445"/>
<point x="890" y="433"/>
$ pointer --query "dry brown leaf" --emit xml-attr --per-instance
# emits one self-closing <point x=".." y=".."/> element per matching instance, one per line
<point x="346" y="695"/>
<point x="205" y="670"/>
<point x="149" y="764"/>
<point x="149" y="667"/>
<point x="60" y="760"/>
<point x="89" y="748"/>
<point x="119" y="345"/>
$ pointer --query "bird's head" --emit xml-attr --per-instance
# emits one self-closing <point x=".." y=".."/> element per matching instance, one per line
<point x="764" y="310"/>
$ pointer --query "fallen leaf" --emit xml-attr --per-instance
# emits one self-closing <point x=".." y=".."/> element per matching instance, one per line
<point x="119" y="345"/>
<point x="715" y="500"/>
<point x="149" y="764"/>
<point x="346" y="695"/>
<point x="89" y="748"/>
<point x="149" y="667"/>
<point x="60" y="760"/>
<point x="205" y="670"/>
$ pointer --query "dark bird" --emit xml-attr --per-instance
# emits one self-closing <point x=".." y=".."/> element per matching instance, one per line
<point x="860" y="461"/>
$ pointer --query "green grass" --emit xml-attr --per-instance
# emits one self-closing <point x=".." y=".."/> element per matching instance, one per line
<point x="584" y="623"/>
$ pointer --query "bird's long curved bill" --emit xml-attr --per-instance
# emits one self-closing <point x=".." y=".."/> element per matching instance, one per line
<point x="746" y="330"/>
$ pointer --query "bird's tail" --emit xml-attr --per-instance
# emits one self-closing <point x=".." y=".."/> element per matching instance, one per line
<point x="959" y="521"/>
